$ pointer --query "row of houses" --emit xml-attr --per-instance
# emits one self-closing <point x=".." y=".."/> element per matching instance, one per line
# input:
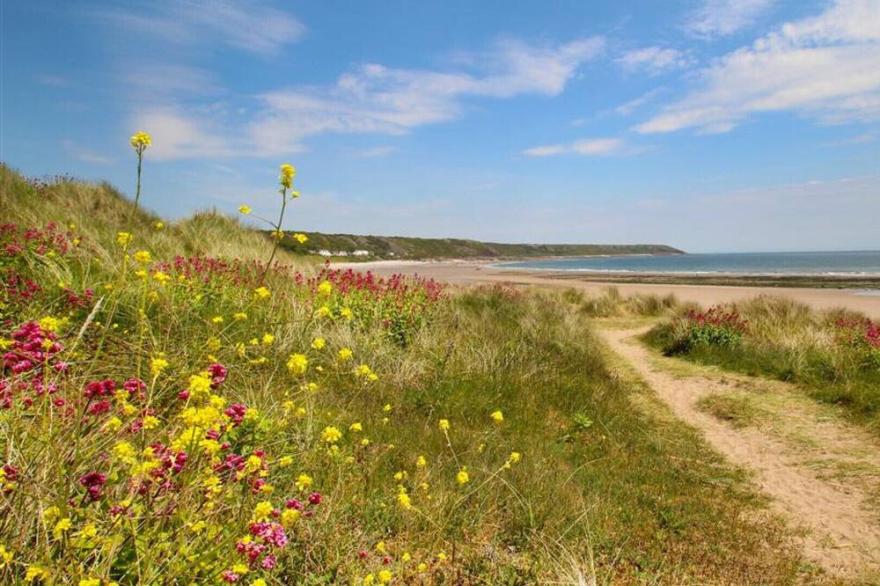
<point x="325" y="252"/>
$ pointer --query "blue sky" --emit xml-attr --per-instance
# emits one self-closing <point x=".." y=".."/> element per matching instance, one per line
<point x="712" y="125"/>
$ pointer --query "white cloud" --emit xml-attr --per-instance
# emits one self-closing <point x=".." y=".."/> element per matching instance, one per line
<point x="718" y="18"/>
<point x="654" y="60"/>
<point x="177" y="135"/>
<point x="385" y="100"/>
<point x="248" y="25"/>
<point x="375" y="152"/>
<point x="587" y="147"/>
<point x="631" y="106"/>
<point x="825" y="67"/>
<point x="162" y="80"/>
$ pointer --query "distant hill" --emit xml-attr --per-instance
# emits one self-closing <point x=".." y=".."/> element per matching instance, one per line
<point x="400" y="247"/>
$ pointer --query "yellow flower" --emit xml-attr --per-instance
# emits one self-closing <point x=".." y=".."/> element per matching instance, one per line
<point x="90" y="582"/>
<point x="297" y="363"/>
<point x="241" y="569"/>
<point x="285" y="461"/>
<point x="384" y="576"/>
<point x="34" y="571"/>
<point x="143" y="256"/>
<point x="319" y="343"/>
<point x="300" y="237"/>
<point x="404" y="501"/>
<point x="61" y="527"/>
<point x="288" y="172"/>
<point x="262" y="293"/>
<point x="50" y="324"/>
<point x="497" y="417"/>
<point x="331" y="434"/>
<point x="303" y="481"/>
<point x="444" y="424"/>
<point x="161" y="277"/>
<point x="289" y="517"/>
<point x="346" y="313"/>
<point x="258" y="582"/>
<point x="151" y="422"/>
<point x="159" y="225"/>
<point x="356" y="427"/>
<point x="157" y="365"/>
<point x="5" y="556"/>
<point x="123" y="239"/>
<point x="323" y="311"/>
<point x="239" y="316"/>
<point x="462" y="477"/>
<point x="514" y="457"/>
<point x="263" y="511"/>
<point x="325" y="288"/>
<point x="268" y="339"/>
<point x="366" y="372"/>
<point x="217" y="319"/>
<point x="345" y="354"/>
<point x="140" y="140"/>
<point x="421" y="462"/>
<point x="422" y="567"/>
<point x="244" y="209"/>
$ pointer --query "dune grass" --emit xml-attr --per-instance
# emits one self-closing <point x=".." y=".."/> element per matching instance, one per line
<point x="183" y="421"/>
<point x="834" y="355"/>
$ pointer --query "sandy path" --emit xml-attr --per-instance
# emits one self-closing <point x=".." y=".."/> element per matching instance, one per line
<point x="468" y="272"/>
<point x="843" y="535"/>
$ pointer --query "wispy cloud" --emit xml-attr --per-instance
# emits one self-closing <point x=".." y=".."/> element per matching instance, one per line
<point x="654" y="60"/>
<point x="825" y="67"/>
<point x="86" y="155"/>
<point x="375" y="152"/>
<point x="248" y="25"/>
<point x="718" y="18"/>
<point x="627" y="108"/>
<point x="372" y="98"/>
<point x="586" y="147"/>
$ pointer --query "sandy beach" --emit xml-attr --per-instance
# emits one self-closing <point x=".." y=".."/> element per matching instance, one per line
<point x="471" y="272"/>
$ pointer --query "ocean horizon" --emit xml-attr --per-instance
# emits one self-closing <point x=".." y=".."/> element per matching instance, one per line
<point x="818" y="263"/>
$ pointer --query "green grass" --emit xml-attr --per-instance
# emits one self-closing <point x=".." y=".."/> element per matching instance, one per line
<point x="402" y="247"/>
<point x="609" y="486"/>
<point x="791" y="342"/>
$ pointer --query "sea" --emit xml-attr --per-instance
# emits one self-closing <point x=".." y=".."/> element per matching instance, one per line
<point x="838" y="264"/>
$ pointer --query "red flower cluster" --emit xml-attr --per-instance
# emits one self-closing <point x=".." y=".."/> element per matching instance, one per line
<point x="397" y="285"/>
<point x="32" y="353"/>
<point x="859" y="330"/>
<point x="717" y="316"/>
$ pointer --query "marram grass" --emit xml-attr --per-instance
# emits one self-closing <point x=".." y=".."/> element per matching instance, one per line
<point x="171" y="415"/>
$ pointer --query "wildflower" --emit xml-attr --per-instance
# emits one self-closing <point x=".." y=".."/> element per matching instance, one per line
<point x="123" y="239"/>
<point x="61" y="527"/>
<point x="404" y="501"/>
<point x="140" y="140"/>
<point x="444" y="424"/>
<point x="514" y="457"/>
<point x="356" y="427"/>
<point x="157" y="365"/>
<point x="288" y="172"/>
<point x="325" y="288"/>
<point x="262" y="293"/>
<point x="5" y="556"/>
<point x="285" y="461"/>
<point x="289" y="517"/>
<point x="300" y="237"/>
<point x="262" y="512"/>
<point x="258" y="582"/>
<point x="34" y="571"/>
<point x="50" y="324"/>
<point x="244" y="209"/>
<point x="497" y="417"/>
<point x="161" y="277"/>
<point x="217" y="319"/>
<point x="441" y="556"/>
<point x="323" y="311"/>
<point x="331" y="434"/>
<point x="143" y="256"/>
<point x="462" y="477"/>
<point x="239" y="316"/>
<point x="151" y="422"/>
<point x="303" y="481"/>
<point x="421" y="462"/>
<point x="422" y="567"/>
<point x="384" y="576"/>
<point x="297" y="363"/>
<point x="159" y="225"/>
<point x="386" y="408"/>
<point x="365" y="371"/>
<point x="345" y="354"/>
<point x="319" y="343"/>
<point x="124" y="451"/>
<point x="268" y="339"/>
<point x="90" y="582"/>
<point x="346" y="313"/>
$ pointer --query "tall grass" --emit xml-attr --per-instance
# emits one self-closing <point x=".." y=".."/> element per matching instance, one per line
<point x="830" y="353"/>
<point x="179" y="421"/>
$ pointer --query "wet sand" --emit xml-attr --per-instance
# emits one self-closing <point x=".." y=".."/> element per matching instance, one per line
<point x="469" y="272"/>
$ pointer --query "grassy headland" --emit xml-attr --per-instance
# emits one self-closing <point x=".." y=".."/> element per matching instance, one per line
<point x="406" y="248"/>
<point x="169" y="415"/>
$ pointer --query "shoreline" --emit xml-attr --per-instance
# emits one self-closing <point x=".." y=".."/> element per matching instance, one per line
<point x="819" y="293"/>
